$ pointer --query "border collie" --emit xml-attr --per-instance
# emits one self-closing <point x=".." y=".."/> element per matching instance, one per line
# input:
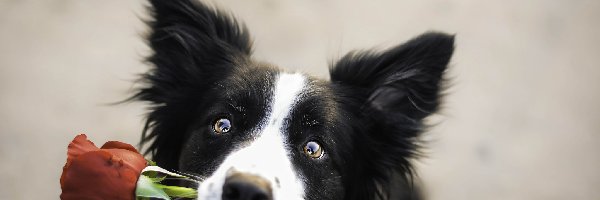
<point x="251" y="131"/>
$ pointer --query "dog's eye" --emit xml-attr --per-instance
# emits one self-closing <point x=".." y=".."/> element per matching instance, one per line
<point x="222" y="125"/>
<point x="313" y="149"/>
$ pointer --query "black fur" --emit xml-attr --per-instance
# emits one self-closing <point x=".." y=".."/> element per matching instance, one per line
<point x="193" y="47"/>
<point x="369" y="115"/>
<point x="389" y="94"/>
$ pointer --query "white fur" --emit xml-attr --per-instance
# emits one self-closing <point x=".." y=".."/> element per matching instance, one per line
<point x="268" y="155"/>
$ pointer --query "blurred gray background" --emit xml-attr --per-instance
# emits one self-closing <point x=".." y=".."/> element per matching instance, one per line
<point x="520" y="122"/>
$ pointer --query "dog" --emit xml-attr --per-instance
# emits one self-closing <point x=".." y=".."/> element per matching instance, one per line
<point x="252" y="131"/>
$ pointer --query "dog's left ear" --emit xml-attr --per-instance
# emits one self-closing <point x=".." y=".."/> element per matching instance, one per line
<point x="403" y="82"/>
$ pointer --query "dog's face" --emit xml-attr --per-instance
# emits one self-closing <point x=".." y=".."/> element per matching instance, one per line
<point x="252" y="131"/>
<point x="268" y="128"/>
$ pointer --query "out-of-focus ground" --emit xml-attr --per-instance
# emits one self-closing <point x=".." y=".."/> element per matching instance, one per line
<point x="521" y="121"/>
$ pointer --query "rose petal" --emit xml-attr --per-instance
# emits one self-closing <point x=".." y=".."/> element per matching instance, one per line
<point x="107" y="173"/>
<point x="78" y="146"/>
<point x="126" y="152"/>
<point x="98" y="174"/>
<point x="134" y="160"/>
<point x="119" y="145"/>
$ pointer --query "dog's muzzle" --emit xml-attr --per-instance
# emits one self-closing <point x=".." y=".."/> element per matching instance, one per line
<point x="243" y="186"/>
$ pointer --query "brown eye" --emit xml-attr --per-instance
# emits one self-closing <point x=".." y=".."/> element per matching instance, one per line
<point x="222" y="125"/>
<point x="313" y="149"/>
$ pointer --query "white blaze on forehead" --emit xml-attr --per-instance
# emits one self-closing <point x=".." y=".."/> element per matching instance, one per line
<point x="287" y="89"/>
<point x="268" y="155"/>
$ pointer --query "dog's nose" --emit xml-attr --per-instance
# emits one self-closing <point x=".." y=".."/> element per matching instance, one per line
<point x="241" y="186"/>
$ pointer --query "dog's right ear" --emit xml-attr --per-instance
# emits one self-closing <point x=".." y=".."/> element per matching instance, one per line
<point x="192" y="43"/>
<point x="193" y="46"/>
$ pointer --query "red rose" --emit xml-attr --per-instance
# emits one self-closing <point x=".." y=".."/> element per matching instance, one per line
<point x="109" y="172"/>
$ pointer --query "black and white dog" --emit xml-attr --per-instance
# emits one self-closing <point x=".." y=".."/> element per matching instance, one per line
<point x="254" y="132"/>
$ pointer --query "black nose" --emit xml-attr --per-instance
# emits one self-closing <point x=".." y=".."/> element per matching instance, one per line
<point x="240" y="186"/>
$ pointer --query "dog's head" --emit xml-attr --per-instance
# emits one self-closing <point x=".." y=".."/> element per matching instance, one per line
<point x="255" y="132"/>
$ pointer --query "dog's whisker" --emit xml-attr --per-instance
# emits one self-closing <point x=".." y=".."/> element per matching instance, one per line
<point x="192" y="176"/>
